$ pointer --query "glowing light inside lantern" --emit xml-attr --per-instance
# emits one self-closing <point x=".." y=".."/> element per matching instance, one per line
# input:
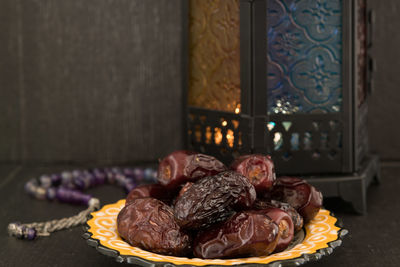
<point x="237" y="109"/>
<point x="197" y="133"/>
<point x="208" y="135"/>
<point x="235" y="124"/>
<point x="271" y="125"/>
<point x="230" y="137"/>
<point x="217" y="136"/>
<point x="278" y="141"/>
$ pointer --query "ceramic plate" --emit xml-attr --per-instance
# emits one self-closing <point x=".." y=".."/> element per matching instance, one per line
<point x="318" y="238"/>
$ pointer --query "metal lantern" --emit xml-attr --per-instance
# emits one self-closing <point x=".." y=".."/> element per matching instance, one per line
<point x="289" y="78"/>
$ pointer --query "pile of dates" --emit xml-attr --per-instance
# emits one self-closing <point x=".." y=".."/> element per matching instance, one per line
<point x="201" y="208"/>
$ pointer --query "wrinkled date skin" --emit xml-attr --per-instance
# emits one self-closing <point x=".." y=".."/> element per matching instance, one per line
<point x="246" y="234"/>
<point x="183" y="190"/>
<point x="305" y="198"/>
<point x="149" y="224"/>
<point x="259" y="169"/>
<point x="297" y="219"/>
<point x="187" y="166"/>
<point x="286" y="227"/>
<point x="156" y="191"/>
<point x="213" y="199"/>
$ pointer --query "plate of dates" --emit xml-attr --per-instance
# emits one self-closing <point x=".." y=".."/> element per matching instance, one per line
<point x="203" y="213"/>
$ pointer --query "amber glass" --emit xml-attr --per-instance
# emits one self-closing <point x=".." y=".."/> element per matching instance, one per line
<point x="214" y="54"/>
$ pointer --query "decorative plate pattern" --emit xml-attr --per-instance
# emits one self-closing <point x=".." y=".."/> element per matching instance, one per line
<point x="321" y="235"/>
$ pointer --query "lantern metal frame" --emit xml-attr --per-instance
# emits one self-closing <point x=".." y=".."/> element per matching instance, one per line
<point x="344" y="164"/>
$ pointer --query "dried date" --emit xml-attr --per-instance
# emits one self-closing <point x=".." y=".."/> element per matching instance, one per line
<point x="246" y="234"/>
<point x="183" y="166"/>
<point x="259" y="169"/>
<point x="183" y="190"/>
<point x="149" y="224"/>
<point x="297" y="219"/>
<point x="286" y="227"/>
<point x="156" y="191"/>
<point x="213" y="199"/>
<point x="305" y="198"/>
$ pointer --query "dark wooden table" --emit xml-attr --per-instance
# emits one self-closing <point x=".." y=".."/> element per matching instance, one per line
<point x="372" y="239"/>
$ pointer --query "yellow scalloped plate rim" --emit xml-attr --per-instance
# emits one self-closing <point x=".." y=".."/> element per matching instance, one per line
<point x="103" y="227"/>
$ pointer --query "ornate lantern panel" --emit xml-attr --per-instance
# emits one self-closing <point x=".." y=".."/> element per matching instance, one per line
<point x="285" y="77"/>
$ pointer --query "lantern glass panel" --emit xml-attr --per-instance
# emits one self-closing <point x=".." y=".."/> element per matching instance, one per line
<point x="214" y="60"/>
<point x="304" y="56"/>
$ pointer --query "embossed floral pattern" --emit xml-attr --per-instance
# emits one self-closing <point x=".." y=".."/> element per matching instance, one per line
<point x="214" y="54"/>
<point x="319" y="232"/>
<point x="304" y="56"/>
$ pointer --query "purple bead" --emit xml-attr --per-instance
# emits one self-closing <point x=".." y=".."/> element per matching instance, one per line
<point x="51" y="193"/>
<point x="63" y="194"/>
<point x="106" y="171"/>
<point x="120" y="179"/>
<point x="82" y="182"/>
<point x="70" y="185"/>
<point x="99" y="177"/>
<point x="85" y="198"/>
<point x="128" y="172"/>
<point x="55" y="179"/>
<point x="116" y="170"/>
<point x="79" y="183"/>
<point x="40" y="193"/>
<point x="66" y="178"/>
<point x="150" y="175"/>
<point x="72" y="196"/>
<point x="138" y="173"/>
<point x="45" y="181"/>
<point x="30" y="233"/>
<point x="110" y="176"/>
<point x="76" y="174"/>
<point x="90" y="178"/>
<point x="30" y="186"/>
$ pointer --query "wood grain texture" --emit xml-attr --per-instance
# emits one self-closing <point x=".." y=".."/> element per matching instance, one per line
<point x="102" y="80"/>
<point x="7" y="173"/>
<point x="10" y="145"/>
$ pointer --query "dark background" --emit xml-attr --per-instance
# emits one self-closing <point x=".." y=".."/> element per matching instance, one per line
<point x="98" y="82"/>
<point x="89" y="81"/>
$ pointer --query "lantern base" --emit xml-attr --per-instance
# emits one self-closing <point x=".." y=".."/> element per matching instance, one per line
<point x="352" y="187"/>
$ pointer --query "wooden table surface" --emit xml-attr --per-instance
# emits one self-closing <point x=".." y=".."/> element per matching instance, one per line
<point x="372" y="239"/>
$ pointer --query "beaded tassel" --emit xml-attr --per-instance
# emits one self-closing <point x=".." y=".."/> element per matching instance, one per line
<point x="68" y="187"/>
<point x="21" y="231"/>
